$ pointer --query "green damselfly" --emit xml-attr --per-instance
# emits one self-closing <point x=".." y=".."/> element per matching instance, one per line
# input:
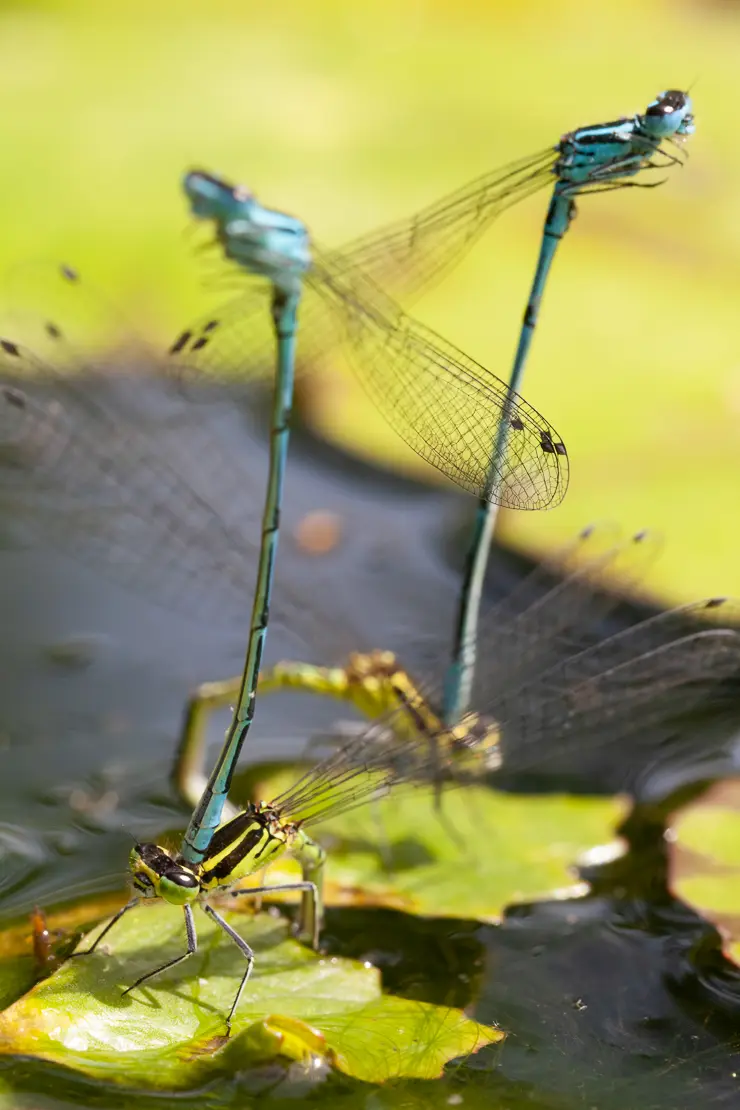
<point x="357" y="772"/>
<point x="643" y="679"/>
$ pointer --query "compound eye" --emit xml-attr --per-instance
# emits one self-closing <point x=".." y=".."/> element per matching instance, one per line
<point x="185" y="879"/>
<point x="667" y="103"/>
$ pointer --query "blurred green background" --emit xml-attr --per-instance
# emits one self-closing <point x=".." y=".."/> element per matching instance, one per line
<point x="352" y="114"/>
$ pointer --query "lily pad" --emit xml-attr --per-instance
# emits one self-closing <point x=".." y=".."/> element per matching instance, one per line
<point x="23" y="961"/>
<point x="170" y="1034"/>
<point x="705" y="860"/>
<point x="486" y="850"/>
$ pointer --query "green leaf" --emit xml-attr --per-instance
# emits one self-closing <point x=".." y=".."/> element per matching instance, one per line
<point x="16" y="976"/>
<point x="488" y="850"/>
<point x="169" y="1034"/>
<point x="22" y="963"/>
<point x="705" y="860"/>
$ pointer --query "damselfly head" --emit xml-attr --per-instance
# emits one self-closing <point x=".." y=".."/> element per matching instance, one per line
<point x="155" y="874"/>
<point x="213" y="198"/>
<point x="669" y="115"/>
<point x="261" y="240"/>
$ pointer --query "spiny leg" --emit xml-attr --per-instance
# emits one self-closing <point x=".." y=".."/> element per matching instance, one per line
<point x="192" y="949"/>
<point x="441" y="815"/>
<point x="243" y="947"/>
<point x="608" y="187"/>
<point x="310" y="921"/>
<point x="312" y="859"/>
<point x="116" y="917"/>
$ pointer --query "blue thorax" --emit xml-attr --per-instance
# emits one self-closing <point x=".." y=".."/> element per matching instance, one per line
<point x="261" y="240"/>
<point x="621" y="148"/>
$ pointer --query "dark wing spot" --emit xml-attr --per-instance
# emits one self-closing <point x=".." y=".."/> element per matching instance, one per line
<point x="182" y="341"/>
<point x="9" y="348"/>
<point x="200" y="343"/>
<point x="550" y="446"/>
<point x="211" y="326"/>
<point x="715" y="602"/>
<point x="53" y="331"/>
<point x="68" y="273"/>
<point x="517" y="423"/>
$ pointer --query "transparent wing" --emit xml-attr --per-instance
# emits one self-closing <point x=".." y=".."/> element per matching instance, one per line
<point x="115" y="467"/>
<point x="367" y="766"/>
<point x="405" y="257"/>
<point x="236" y="339"/>
<point x="650" y="674"/>
<point x="116" y="462"/>
<point x="159" y="504"/>
<point x="558" y="609"/>
<point x="550" y="612"/>
<point x="75" y="473"/>
<point x="447" y="407"/>
<point x="51" y="310"/>
<point x="641" y="682"/>
<point x="410" y="255"/>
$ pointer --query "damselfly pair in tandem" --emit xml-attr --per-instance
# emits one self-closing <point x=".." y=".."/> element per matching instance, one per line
<point x="489" y="440"/>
